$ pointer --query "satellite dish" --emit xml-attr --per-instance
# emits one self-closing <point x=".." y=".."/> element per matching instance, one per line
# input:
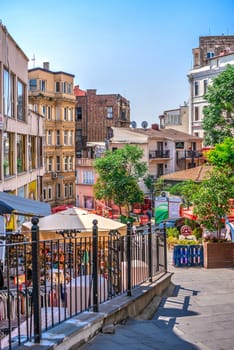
<point x="133" y="124"/>
<point x="144" y="125"/>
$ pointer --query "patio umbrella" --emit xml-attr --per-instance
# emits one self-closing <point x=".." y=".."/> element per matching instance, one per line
<point x="74" y="219"/>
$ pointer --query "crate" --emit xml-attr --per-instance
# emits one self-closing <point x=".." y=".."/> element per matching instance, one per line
<point x="188" y="255"/>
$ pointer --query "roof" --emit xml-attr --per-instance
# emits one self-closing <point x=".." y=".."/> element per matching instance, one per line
<point x="161" y="134"/>
<point x="197" y="174"/>
<point x="11" y="204"/>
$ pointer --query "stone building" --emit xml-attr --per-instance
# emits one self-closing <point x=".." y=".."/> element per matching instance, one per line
<point x="51" y="95"/>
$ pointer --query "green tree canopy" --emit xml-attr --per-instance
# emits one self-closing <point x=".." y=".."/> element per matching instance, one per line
<point x="223" y="154"/>
<point x="218" y="121"/>
<point x="118" y="176"/>
<point x="211" y="199"/>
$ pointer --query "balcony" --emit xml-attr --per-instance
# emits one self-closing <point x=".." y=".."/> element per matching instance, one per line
<point x="85" y="162"/>
<point x="190" y="154"/>
<point x="159" y="154"/>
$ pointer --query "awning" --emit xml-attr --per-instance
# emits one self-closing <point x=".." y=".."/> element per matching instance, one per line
<point x="11" y="204"/>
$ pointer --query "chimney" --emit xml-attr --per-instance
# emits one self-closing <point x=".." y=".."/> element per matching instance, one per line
<point x="46" y="65"/>
<point x="155" y="126"/>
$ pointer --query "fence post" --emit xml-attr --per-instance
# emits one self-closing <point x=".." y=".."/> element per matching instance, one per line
<point x="150" y="250"/>
<point x="165" y="245"/>
<point x="129" y="258"/>
<point x="36" y="280"/>
<point x="95" y="266"/>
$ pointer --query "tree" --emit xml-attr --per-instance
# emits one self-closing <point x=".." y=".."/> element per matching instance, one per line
<point x="211" y="199"/>
<point x="188" y="189"/>
<point x="118" y="176"/>
<point x="218" y="121"/>
<point x="223" y="154"/>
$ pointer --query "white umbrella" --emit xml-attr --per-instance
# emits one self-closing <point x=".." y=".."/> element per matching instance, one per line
<point x="75" y="219"/>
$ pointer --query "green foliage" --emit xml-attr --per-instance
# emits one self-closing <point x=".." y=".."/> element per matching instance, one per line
<point x="118" y="176"/>
<point x="197" y="232"/>
<point x="211" y="199"/>
<point x="223" y="154"/>
<point x="172" y="232"/>
<point x="176" y="190"/>
<point x="218" y="121"/>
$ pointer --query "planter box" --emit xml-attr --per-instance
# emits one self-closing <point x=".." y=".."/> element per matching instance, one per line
<point x="218" y="255"/>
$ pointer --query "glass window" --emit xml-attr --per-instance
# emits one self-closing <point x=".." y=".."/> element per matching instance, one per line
<point x="66" y="190"/>
<point x="49" y="137"/>
<point x="42" y="85"/>
<point x="58" y="190"/>
<point x="32" y="84"/>
<point x="58" y="164"/>
<point x="8" y="93"/>
<point x="44" y="193"/>
<point x="57" y="113"/>
<point x="21" y="154"/>
<point x="109" y="112"/>
<point x="196" y="112"/>
<point x="57" y="137"/>
<point x="49" y="113"/>
<point x="49" y="164"/>
<point x="65" y="163"/>
<point x="57" y="86"/>
<point x="88" y="178"/>
<point x="8" y="149"/>
<point x="20" y="101"/>
<point x="49" y="192"/>
<point x="65" y="137"/>
<point x="78" y="113"/>
<point x="205" y="85"/>
<point x="71" y="189"/>
<point x="196" y="88"/>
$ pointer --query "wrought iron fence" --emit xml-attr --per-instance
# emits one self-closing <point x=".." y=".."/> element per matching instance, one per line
<point x="45" y="282"/>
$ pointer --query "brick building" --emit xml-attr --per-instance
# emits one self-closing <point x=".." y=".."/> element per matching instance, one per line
<point x="96" y="114"/>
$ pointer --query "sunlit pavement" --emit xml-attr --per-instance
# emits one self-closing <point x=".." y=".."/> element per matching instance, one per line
<point x="199" y="315"/>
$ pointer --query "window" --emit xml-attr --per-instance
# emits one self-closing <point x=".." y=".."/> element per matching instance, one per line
<point x="8" y="149"/>
<point x="70" y="163"/>
<point x="69" y="88"/>
<point x="65" y="137"/>
<point x="196" y="88"/>
<point x="196" y="113"/>
<point x="58" y="190"/>
<point x="42" y="85"/>
<point x="8" y="93"/>
<point x="32" y="152"/>
<point x="70" y="138"/>
<point x="57" y="86"/>
<point x="71" y="189"/>
<point x="21" y="153"/>
<point x="49" y="164"/>
<point x="88" y="202"/>
<point x="20" y="100"/>
<point x="109" y="112"/>
<point x="44" y="111"/>
<point x="32" y="84"/>
<point x="64" y="87"/>
<point x="58" y="137"/>
<point x="88" y="178"/>
<point x="44" y="193"/>
<point x="58" y="164"/>
<point x="57" y="113"/>
<point x="49" y="113"/>
<point x="70" y="114"/>
<point x="179" y="145"/>
<point x="65" y="163"/>
<point x="49" y="192"/>
<point x="40" y="152"/>
<point x="65" y="114"/>
<point x="78" y="113"/>
<point x="205" y="85"/>
<point x="49" y="137"/>
<point x="66" y="190"/>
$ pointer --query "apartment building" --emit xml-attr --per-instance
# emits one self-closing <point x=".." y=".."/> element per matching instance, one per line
<point x="51" y="95"/>
<point x="164" y="151"/>
<point x="96" y="114"/>
<point x="21" y="130"/>
<point x="209" y="60"/>
<point x="177" y="119"/>
<point x="199" y="79"/>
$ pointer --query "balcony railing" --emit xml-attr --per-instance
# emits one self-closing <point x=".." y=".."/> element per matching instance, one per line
<point x="183" y="154"/>
<point x="159" y="154"/>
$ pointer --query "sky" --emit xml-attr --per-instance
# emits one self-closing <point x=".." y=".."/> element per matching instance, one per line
<point x="140" y="49"/>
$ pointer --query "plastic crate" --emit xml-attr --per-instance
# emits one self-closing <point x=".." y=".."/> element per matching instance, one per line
<point x="188" y="255"/>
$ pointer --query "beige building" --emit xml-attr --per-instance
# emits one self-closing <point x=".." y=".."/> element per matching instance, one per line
<point x="51" y="95"/>
<point x="177" y="119"/>
<point x="21" y="130"/>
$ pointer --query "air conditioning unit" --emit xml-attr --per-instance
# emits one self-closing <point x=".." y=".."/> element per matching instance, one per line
<point x="54" y="175"/>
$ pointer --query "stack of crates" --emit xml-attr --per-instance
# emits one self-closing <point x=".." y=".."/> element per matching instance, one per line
<point x="188" y="255"/>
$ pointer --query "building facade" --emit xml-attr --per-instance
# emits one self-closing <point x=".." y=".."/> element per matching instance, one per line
<point x="21" y="130"/>
<point x="199" y="79"/>
<point x="51" y="95"/>
<point x="177" y="119"/>
<point x="96" y="114"/>
<point x="209" y="60"/>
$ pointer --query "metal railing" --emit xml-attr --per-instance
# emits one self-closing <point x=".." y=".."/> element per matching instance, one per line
<point x="45" y="282"/>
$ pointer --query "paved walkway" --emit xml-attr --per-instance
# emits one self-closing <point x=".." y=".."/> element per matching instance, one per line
<point x="199" y="315"/>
